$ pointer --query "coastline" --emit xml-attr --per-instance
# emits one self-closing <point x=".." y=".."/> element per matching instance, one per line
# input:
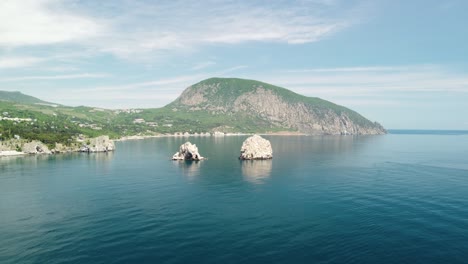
<point x="18" y="147"/>
<point x="207" y="134"/>
<point x="221" y="134"/>
<point x="9" y="153"/>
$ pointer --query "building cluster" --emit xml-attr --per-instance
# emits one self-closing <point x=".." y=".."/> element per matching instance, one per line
<point x="17" y="119"/>
<point x="128" y="111"/>
<point x="142" y="121"/>
<point x="92" y="126"/>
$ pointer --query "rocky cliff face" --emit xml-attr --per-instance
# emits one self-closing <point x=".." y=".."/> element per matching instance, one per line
<point x="36" y="147"/>
<point x="98" y="144"/>
<point x="274" y="106"/>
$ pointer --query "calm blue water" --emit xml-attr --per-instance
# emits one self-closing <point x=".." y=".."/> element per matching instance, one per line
<point x="427" y="132"/>
<point x="398" y="198"/>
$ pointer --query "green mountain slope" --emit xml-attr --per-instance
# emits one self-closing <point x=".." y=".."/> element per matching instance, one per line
<point x="240" y="105"/>
<point x="18" y="97"/>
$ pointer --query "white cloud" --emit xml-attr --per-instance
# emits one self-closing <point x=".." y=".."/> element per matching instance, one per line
<point x="203" y="65"/>
<point x="160" y="86"/>
<point x="154" y="93"/>
<point x="224" y="72"/>
<point x="18" y="62"/>
<point x="369" y="102"/>
<point x="38" y="22"/>
<point x="362" y="69"/>
<point x="186" y="25"/>
<point x="55" y="77"/>
<point x="376" y="86"/>
<point x="173" y="84"/>
<point x="369" y="80"/>
<point x="113" y="99"/>
<point x="62" y="61"/>
<point x="130" y="28"/>
<point x="372" y="86"/>
<point x="60" y="68"/>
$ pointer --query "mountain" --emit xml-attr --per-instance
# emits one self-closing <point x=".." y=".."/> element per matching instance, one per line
<point x="18" y="97"/>
<point x="214" y="105"/>
<point x="253" y="106"/>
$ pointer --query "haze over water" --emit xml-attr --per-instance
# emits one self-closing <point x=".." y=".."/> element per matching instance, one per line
<point x="397" y="198"/>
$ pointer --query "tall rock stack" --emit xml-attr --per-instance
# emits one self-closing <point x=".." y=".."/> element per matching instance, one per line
<point x="187" y="151"/>
<point x="256" y="148"/>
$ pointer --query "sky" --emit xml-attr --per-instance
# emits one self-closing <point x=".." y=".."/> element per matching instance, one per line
<point x="401" y="63"/>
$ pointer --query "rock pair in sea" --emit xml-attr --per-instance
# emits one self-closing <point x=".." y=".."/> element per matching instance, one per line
<point x="253" y="148"/>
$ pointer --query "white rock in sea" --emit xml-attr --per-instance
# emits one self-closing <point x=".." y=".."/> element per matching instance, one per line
<point x="98" y="144"/>
<point x="256" y="147"/>
<point x="187" y="151"/>
<point x="35" y="147"/>
<point x="218" y="134"/>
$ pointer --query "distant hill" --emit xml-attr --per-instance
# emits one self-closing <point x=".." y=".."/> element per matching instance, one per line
<point x="253" y="106"/>
<point x="18" y="97"/>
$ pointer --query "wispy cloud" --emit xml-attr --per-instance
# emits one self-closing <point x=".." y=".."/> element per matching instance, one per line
<point x="189" y="24"/>
<point x="18" y="62"/>
<point x="367" y="69"/>
<point x="412" y="78"/>
<point x="368" y="102"/>
<point x="153" y="93"/>
<point x="60" y="69"/>
<point x="165" y="84"/>
<point x="229" y="70"/>
<point x="56" y="77"/>
<point x="368" y="85"/>
<point x="147" y="27"/>
<point x="39" y="22"/>
<point x="203" y="65"/>
<point x="160" y="85"/>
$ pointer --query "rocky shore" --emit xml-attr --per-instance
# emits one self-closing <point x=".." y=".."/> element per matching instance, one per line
<point x="4" y="153"/>
<point x="15" y="147"/>
<point x="98" y="144"/>
<point x="208" y="134"/>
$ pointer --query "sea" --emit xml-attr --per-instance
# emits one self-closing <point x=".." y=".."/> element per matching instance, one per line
<point x="395" y="198"/>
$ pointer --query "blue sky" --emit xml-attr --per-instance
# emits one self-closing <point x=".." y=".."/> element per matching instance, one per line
<point x="401" y="63"/>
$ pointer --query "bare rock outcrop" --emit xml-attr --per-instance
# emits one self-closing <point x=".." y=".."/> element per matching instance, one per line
<point x="256" y="147"/>
<point x="302" y="116"/>
<point x="187" y="151"/>
<point x="98" y="144"/>
<point x="35" y="147"/>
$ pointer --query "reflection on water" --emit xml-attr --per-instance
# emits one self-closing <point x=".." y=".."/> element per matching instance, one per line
<point x="323" y="150"/>
<point x="101" y="161"/>
<point x="189" y="168"/>
<point x="100" y="156"/>
<point x="256" y="170"/>
<point x="316" y="145"/>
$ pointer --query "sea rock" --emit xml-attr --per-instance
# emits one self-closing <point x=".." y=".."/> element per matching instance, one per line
<point x="218" y="134"/>
<point x="98" y="144"/>
<point x="187" y="151"/>
<point x="256" y="147"/>
<point x="35" y="147"/>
